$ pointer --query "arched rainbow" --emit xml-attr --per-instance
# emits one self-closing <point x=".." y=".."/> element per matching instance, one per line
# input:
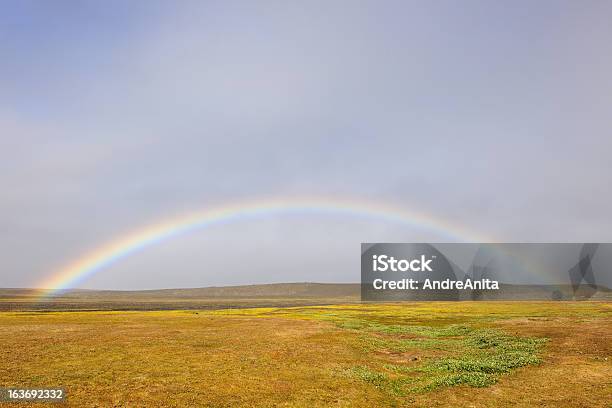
<point x="102" y="257"/>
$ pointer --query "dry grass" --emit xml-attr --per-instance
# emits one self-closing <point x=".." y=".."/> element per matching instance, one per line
<point x="409" y="354"/>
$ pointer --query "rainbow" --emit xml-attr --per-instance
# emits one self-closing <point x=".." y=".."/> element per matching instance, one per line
<point x="105" y="255"/>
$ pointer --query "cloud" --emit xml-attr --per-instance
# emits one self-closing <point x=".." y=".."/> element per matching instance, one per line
<point x="479" y="114"/>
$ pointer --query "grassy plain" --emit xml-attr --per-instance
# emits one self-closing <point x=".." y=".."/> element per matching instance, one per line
<point x="403" y="354"/>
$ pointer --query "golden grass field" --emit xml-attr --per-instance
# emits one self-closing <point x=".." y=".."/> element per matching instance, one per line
<point x="491" y="354"/>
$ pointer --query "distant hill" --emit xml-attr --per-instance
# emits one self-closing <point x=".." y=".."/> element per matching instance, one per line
<point x="264" y="295"/>
<point x="267" y="295"/>
<point x="283" y="290"/>
<point x="305" y="289"/>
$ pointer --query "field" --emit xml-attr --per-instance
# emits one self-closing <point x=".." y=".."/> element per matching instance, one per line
<point x="404" y="354"/>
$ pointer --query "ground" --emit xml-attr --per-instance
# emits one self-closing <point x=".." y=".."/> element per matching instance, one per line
<point x="491" y="354"/>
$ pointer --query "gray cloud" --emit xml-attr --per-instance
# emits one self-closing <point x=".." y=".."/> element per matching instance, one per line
<point x="494" y="117"/>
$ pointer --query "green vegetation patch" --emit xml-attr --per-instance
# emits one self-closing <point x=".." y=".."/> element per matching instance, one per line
<point x="470" y="356"/>
<point x="393" y="385"/>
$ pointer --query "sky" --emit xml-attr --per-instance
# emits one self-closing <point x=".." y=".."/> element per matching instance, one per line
<point x="114" y="115"/>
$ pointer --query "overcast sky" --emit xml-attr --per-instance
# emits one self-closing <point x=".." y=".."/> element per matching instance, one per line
<point x="116" y="114"/>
